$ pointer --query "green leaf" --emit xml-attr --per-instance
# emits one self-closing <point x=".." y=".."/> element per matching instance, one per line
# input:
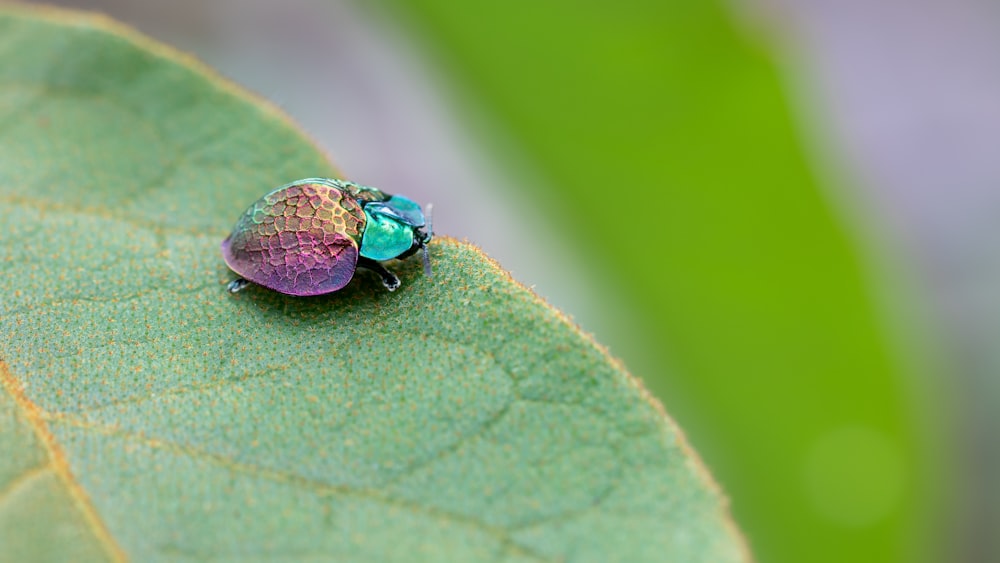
<point x="148" y="414"/>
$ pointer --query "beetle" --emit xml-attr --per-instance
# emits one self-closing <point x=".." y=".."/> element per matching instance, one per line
<point x="308" y="237"/>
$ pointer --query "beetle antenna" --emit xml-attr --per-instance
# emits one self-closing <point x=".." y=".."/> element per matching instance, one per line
<point x="430" y="232"/>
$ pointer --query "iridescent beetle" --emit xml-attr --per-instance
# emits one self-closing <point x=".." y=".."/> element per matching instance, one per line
<point x="308" y="237"/>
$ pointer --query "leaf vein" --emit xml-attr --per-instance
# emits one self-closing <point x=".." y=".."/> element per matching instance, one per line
<point x="319" y="488"/>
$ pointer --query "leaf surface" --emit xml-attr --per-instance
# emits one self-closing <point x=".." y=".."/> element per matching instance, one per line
<point x="151" y="415"/>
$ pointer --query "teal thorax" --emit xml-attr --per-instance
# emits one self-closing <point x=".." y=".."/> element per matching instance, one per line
<point x="389" y="231"/>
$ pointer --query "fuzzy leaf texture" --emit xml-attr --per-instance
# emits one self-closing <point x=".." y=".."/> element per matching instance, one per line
<point x="148" y="415"/>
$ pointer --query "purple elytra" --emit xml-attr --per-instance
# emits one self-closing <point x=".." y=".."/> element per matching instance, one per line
<point x="300" y="239"/>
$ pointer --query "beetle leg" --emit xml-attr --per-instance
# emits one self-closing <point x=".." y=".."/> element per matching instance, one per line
<point x="236" y="285"/>
<point x="389" y="279"/>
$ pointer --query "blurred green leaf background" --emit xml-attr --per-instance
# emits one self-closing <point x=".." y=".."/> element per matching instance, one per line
<point x="650" y="166"/>
<point x="671" y="153"/>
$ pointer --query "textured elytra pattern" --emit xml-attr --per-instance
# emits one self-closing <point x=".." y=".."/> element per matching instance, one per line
<point x="300" y="239"/>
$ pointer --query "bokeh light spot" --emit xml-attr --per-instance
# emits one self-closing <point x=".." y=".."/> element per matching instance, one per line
<point x="854" y="476"/>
